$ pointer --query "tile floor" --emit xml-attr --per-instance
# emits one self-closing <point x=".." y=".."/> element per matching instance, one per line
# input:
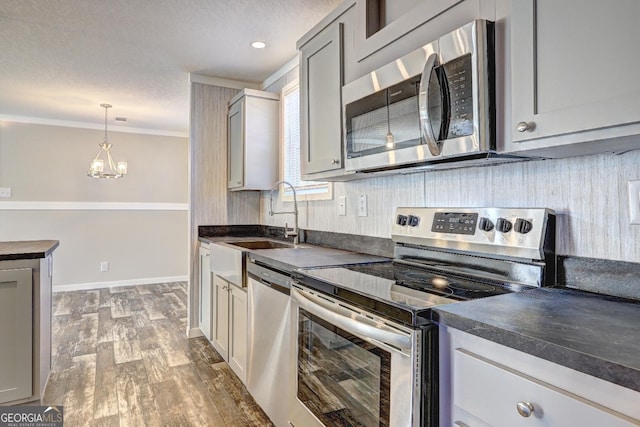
<point x="121" y="358"/>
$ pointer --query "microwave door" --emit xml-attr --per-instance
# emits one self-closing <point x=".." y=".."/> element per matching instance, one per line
<point x="433" y="104"/>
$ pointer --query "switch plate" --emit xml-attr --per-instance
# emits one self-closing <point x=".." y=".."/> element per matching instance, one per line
<point x="634" y="202"/>
<point x="342" y="205"/>
<point x="5" y="192"/>
<point x="104" y="266"/>
<point x="362" y="205"/>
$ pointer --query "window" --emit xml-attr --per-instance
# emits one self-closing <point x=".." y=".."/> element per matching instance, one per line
<point x="290" y="154"/>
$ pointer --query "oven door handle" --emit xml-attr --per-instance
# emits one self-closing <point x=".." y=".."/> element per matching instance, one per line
<point x="423" y="106"/>
<point x="343" y="318"/>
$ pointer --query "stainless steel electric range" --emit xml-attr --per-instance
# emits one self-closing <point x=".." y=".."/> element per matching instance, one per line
<point x="364" y="345"/>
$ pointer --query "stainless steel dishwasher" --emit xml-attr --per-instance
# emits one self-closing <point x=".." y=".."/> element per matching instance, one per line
<point x="268" y="339"/>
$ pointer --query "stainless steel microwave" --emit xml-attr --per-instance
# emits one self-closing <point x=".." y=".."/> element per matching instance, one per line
<point x="433" y="105"/>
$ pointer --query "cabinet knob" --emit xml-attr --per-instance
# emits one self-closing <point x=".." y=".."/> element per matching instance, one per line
<point x="525" y="127"/>
<point x="525" y="409"/>
<point x="335" y="161"/>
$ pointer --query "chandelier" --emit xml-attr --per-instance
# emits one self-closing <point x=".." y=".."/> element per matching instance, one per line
<point x="106" y="169"/>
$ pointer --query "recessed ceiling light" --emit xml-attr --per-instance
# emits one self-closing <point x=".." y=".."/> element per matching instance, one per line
<point x="258" y="45"/>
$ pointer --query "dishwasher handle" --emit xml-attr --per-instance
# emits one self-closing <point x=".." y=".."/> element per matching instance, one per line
<point x="286" y="289"/>
<point x="344" y="319"/>
<point x="269" y="277"/>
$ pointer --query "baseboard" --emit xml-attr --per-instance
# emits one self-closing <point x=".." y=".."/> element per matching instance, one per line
<point x="195" y="332"/>
<point x="118" y="283"/>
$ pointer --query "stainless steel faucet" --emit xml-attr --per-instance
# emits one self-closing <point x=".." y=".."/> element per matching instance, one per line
<point x="288" y="232"/>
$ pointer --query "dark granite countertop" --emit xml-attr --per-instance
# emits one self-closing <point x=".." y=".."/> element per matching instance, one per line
<point x="319" y="249"/>
<point x="354" y="243"/>
<point x="590" y="333"/>
<point x="27" y="249"/>
<point x="304" y="255"/>
<point x="288" y="259"/>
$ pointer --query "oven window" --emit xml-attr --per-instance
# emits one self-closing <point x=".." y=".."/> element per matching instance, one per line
<point x="342" y="379"/>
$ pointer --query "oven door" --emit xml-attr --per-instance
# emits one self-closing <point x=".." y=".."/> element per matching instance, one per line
<point x="350" y="367"/>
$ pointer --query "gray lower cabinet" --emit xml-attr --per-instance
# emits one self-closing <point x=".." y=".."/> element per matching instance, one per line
<point x="15" y="334"/>
<point x="25" y="329"/>
<point x="574" y="76"/>
<point x="204" y="316"/>
<point x="526" y="391"/>
<point x="229" y="328"/>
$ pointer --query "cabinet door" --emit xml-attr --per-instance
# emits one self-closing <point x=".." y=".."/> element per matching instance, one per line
<point x="42" y="322"/>
<point x="220" y="314"/>
<point x="205" y="293"/>
<point x="15" y="334"/>
<point x="321" y="102"/>
<point x="574" y="66"/>
<point x="235" y="140"/>
<point x="238" y="332"/>
<point x="541" y="404"/>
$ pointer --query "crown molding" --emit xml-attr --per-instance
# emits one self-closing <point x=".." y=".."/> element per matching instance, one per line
<point x="87" y="125"/>
<point x="218" y="81"/>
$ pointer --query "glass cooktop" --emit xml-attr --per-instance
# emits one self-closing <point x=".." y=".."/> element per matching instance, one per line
<point x="409" y="288"/>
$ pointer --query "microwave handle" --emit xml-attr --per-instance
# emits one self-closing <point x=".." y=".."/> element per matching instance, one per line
<point x="426" y="130"/>
<point x="341" y="318"/>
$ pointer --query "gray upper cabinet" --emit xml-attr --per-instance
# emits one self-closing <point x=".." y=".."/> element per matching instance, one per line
<point x="252" y="127"/>
<point x="574" y="76"/>
<point x="235" y="130"/>
<point x="320" y="100"/>
<point x="322" y="70"/>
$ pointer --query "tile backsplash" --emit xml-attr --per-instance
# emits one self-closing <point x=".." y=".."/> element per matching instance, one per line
<point x="588" y="194"/>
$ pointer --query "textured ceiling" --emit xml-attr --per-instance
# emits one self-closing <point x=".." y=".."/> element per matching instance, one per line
<point x="60" y="59"/>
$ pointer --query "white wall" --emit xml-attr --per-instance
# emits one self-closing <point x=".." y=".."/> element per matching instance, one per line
<point x="144" y="237"/>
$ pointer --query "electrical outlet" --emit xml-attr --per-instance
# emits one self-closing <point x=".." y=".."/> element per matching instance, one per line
<point x="5" y="192"/>
<point x="104" y="266"/>
<point x="342" y="205"/>
<point x="634" y="202"/>
<point x="362" y="205"/>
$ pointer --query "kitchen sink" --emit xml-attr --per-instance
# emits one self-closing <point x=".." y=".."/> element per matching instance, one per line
<point x="262" y="244"/>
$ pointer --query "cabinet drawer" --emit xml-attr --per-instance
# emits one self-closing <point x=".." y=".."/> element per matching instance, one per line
<point x="491" y="392"/>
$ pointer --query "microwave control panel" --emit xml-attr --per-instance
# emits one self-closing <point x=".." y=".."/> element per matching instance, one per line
<point x="460" y="84"/>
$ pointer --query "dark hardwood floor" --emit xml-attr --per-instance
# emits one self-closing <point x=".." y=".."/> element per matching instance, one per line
<point x="121" y="358"/>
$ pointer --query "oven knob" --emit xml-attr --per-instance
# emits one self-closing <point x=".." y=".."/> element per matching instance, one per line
<point x="523" y="226"/>
<point x="503" y="225"/>
<point x="401" y="220"/>
<point x="485" y="224"/>
<point x="413" y="221"/>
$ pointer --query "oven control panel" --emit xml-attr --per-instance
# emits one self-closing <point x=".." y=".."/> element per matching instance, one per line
<point x="518" y="232"/>
<point x="454" y="222"/>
